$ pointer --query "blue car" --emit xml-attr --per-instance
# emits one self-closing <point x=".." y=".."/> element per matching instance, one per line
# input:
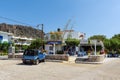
<point x="33" y="56"/>
<point x="81" y="54"/>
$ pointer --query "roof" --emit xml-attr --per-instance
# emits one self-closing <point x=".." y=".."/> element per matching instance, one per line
<point x="54" y="42"/>
<point x="22" y="38"/>
<point x="92" y="42"/>
<point x="6" y="33"/>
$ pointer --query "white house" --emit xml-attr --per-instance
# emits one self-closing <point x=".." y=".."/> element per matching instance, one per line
<point x="22" y="40"/>
<point x="67" y="34"/>
<point x="54" y="45"/>
<point x="18" y="41"/>
<point x="5" y="36"/>
<point x="73" y="34"/>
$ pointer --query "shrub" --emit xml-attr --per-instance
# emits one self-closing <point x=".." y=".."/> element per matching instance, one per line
<point x="60" y="52"/>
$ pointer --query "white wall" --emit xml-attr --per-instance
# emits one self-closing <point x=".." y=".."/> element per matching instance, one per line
<point x="74" y="34"/>
<point x="57" y="47"/>
<point x="47" y="48"/>
<point x="5" y="37"/>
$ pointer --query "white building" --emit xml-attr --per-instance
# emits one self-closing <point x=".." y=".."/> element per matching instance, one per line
<point x="5" y="36"/>
<point x="54" y="45"/>
<point x="66" y="34"/>
<point x="18" y="41"/>
<point x="73" y="34"/>
<point x="8" y="37"/>
<point x="22" y="40"/>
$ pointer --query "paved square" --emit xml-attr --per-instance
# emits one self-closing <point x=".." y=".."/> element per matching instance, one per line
<point x="15" y="70"/>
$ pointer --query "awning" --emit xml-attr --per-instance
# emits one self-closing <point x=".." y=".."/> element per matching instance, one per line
<point x="54" y="42"/>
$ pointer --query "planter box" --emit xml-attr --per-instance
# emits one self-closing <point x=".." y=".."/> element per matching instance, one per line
<point x="15" y="56"/>
<point x="57" y="57"/>
<point x="96" y="58"/>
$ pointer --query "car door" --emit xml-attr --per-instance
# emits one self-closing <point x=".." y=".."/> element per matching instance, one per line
<point x="41" y="56"/>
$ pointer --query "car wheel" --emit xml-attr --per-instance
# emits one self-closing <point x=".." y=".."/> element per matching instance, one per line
<point x="43" y="60"/>
<point x="24" y="62"/>
<point x="39" y="61"/>
<point x="36" y="62"/>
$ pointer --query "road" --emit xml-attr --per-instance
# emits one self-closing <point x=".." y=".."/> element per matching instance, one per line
<point x="15" y="70"/>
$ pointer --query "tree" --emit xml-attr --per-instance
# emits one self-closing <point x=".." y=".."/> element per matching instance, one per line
<point x="116" y="36"/>
<point x="112" y="44"/>
<point x="115" y="44"/>
<point x="36" y="44"/>
<point x="72" y="42"/>
<point x="4" y="47"/>
<point x="0" y="46"/>
<point x="24" y="47"/>
<point x="98" y="37"/>
<point x="115" y="40"/>
<point x="107" y="44"/>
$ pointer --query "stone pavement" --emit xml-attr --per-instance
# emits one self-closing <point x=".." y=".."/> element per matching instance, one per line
<point x="16" y="70"/>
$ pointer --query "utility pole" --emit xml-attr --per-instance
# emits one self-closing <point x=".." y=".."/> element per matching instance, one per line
<point x="41" y="34"/>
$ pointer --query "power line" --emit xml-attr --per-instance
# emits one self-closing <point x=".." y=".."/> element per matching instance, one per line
<point x="14" y="20"/>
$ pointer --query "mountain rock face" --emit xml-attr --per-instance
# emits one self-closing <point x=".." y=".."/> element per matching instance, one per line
<point x="22" y="31"/>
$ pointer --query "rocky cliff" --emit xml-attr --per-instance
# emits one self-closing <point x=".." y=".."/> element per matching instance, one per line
<point x="22" y="31"/>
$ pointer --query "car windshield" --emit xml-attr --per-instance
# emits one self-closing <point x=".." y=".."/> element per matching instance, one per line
<point x="30" y="52"/>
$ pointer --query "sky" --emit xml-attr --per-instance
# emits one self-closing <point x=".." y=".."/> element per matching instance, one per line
<point x="92" y="17"/>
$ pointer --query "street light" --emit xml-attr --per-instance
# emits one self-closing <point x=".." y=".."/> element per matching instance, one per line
<point x="41" y="29"/>
<point x="95" y="43"/>
<point x="42" y="34"/>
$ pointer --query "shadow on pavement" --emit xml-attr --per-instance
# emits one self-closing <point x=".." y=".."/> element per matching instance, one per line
<point x="28" y="64"/>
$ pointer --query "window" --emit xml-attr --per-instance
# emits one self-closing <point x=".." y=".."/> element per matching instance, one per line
<point x="51" y="48"/>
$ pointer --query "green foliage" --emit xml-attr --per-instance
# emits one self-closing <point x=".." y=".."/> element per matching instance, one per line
<point x="4" y="47"/>
<point x="112" y="44"/>
<point x="36" y="44"/>
<point x="98" y="37"/>
<point x="24" y="47"/>
<point x="60" y="52"/>
<point x="16" y="48"/>
<point x="72" y="42"/>
<point x="107" y="44"/>
<point x="118" y="51"/>
<point x="115" y="43"/>
<point x="116" y="36"/>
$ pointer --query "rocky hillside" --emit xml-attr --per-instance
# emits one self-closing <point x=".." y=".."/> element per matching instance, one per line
<point x="20" y="30"/>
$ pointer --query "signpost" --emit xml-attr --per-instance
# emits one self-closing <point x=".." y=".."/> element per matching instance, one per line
<point x="94" y="42"/>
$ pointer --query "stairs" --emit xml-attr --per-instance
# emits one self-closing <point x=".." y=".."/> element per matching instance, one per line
<point x="71" y="59"/>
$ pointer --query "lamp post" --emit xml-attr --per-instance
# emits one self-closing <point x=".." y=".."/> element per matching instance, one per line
<point x="42" y="34"/>
<point x="95" y="43"/>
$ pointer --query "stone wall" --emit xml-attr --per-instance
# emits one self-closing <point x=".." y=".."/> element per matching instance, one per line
<point x="49" y="57"/>
<point x="19" y="56"/>
<point x="96" y="58"/>
<point x="57" y="57"/>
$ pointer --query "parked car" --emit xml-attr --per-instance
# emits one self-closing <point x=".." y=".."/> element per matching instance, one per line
<point x="80" y="54"/>
<point x="113" y="55"/>
<point x="33" y="56"/>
